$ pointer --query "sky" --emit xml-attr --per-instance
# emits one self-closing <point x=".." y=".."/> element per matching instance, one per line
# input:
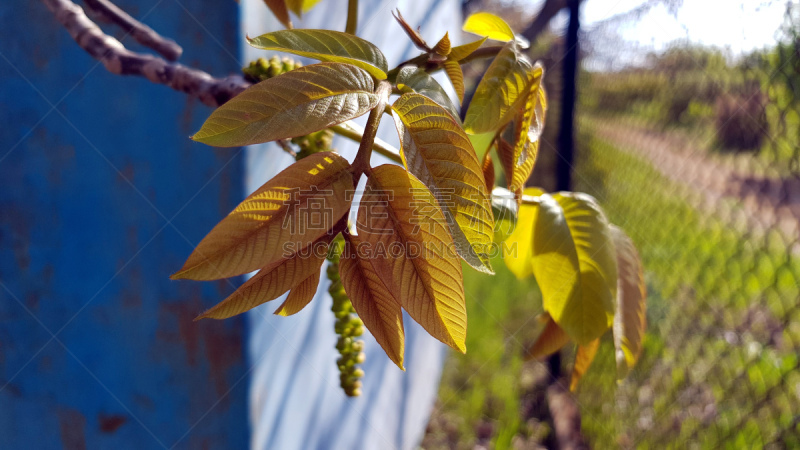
<point x="738" y="25"/>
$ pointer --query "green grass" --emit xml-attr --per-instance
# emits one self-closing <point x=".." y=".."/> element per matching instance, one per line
<point x="483" y="388"/>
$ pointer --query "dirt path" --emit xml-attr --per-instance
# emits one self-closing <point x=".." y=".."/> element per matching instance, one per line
<point x="766" y="203"/>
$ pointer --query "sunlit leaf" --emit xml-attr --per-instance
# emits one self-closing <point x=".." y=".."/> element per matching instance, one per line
<point x="443" y="46"/>
<point x="438" y="152"/>
<point x="301" y="6"/>
<point x="373" y="300"/>
<point x="300" y="296"/>
<point x="583" y="359"/>
<point x="278" y="8"/>
<point x="462" y="51"/>
<point x="293" y="104"/>
<point x="481" y="142"/>
<point x="326" y="45"/>
<point x="406" y="236"/>
<point x="419" y="81"/>
<point x="505" y="210"/>
<point x="501" y="93"/>
<point x="574" y="264"/>
<point x="487" y="167"/>
<point x="489" y="25"/>
<point x="273" y="281"/>
<point x="551" y="340"/>
<point x="518" y="247"/>
<point x="284" y="214"/>
<point x="456" y="76"/>
<point x="631" y="320"/>
<point x="518" y="163"/>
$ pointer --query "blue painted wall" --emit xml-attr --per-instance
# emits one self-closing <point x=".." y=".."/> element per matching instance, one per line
<point x="102" y="196"/>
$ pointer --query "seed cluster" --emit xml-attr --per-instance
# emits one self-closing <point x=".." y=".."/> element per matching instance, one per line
<point x="348" y="326"/>
<point x="262" y="69"/>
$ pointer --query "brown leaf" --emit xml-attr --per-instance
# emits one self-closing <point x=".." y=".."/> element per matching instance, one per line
<point x="583" y="359"/>
<point x="285" y="211"/>
<point x="300" y="296"/>
<point x="551" y="340"/>
<point x="373" y="300"/>
<point x="406" y="236"/>
<point x="281" y="12"/>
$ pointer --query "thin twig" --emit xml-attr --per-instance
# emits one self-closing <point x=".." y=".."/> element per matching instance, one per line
<point x="121" y="61"/>
<point x="286" y="146"/>
<point x="355" y="132"/>
<point x="143" y="34"/>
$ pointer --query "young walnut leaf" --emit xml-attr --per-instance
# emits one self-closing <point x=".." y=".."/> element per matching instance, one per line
<point x="631" y="320"/>
<point x="489" y="25"/>
<point x="273" y="281"/>
<point x="279" y="9"/>
<point x="551" y="340"/>
<point x="456" y="76"/>
<point x="419" y="81"/>
<point x="326" y="45"/>
<point x="293" y="104"/>
<point x="373" y="300"/>
<point x="300" y="296"/>
<point x="256" y="233"/>
<point x="501" y="93"/>
<point x="301" y="6"/>
<point x="405" y="236"/>
<point x="462" y="51"/>
<point x="438" y="152"/>
<point x="518" y="248"/>
<point x="583" y="359"/>
<point x="574" y="264"/>
<point x="518" y="162"/>
<point x="443" y="46"/>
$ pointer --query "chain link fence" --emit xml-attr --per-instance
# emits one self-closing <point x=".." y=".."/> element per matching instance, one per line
<point x="696" y="154"/>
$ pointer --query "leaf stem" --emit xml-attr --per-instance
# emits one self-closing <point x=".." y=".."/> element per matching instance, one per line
<point x="361" y="162"/>
<point x="429" y="64"/>
<point x="352" y="17"/>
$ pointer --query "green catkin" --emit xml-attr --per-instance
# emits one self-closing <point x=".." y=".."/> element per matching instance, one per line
<point x="262" y="69"/>
<point x="348" y="326"/>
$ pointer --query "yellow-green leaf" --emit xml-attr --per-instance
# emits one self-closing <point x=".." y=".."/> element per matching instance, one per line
<point x="456" y="76"/>
<point x="326" y="45"/>
<point x="437" y="151"/>
<point x="462" y="51"/>
<point x="551" y="340"/>
<point x="405" y="235"/>
<point x="443" y="46"/>
<point x="278" y="8"/>
<point x="574" y="264"/>
<point x="293" y="104"/>
<point x="630" y="320"/>
<point x="489" y="25"/>
<point x="373" y="300"/>
<point x="518" y="247"/>
<point x="583" y="359"/>
<point x="300" y="296"/>
<point x="481" y="142"/>
<point x="419" y="81"/>
<point x="273" y="281"/>
<point x="519" y="164"/>
<point x="301" y="6"/>
<point x="279" y="218"/>
<point x="501" y="93"/>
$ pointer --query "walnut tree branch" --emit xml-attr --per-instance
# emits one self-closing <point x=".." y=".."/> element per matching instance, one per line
<point x="109" y="12"/>
<point x="121" y="61"/>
